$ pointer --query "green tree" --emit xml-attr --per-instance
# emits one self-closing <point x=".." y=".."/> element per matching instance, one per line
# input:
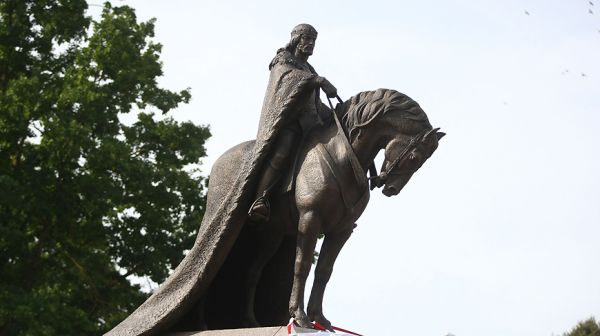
<point x="86" y="200"/>
<point x="588" y="327"/>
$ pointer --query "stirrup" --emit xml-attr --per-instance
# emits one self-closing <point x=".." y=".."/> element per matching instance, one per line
<point x="259" y="217"/>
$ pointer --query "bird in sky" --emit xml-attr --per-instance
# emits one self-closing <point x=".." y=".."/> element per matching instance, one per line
<point x="590" y="11"/>
<point x="526" y="13"/>
<point x="591" y="3"/>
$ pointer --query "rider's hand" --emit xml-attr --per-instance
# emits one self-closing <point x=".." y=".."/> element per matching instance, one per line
<point x="327" y="87"/>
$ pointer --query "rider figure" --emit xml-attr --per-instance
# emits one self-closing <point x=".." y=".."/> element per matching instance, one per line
<point x="290" y="63"/>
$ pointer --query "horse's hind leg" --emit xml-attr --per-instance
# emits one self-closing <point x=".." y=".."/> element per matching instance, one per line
<point x="329" y="251"/>
<point x="309" y="226"/>
<point x="268" y="245"/>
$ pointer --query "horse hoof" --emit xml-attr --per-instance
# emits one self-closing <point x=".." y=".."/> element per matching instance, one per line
<point x="304" y="323"/>
<point x="319" y="318"/>
<point x="302" y="320"/>
<point x="323" y="321"/>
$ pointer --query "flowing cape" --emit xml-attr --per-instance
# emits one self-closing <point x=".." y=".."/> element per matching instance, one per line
<point x="287" y="92"/>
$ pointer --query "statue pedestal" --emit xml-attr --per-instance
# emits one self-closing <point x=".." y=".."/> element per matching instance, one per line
<point x="269" y="331"/>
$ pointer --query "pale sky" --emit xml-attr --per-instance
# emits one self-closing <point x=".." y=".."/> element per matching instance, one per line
<point x="499" y="233"/>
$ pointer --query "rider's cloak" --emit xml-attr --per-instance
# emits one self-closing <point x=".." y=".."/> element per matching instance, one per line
<point x="184" y="294"/>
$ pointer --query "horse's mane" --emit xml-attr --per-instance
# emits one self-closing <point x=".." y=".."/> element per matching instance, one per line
<point x="365" y="107"/>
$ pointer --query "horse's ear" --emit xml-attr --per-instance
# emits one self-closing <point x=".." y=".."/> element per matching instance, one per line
<point x="429" y="133"/>
<point x="440" y="135"/>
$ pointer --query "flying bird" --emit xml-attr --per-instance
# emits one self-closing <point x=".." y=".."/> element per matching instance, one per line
<point x="591" y="3"/>
<point x="526" y="13"/>
<point x="590" y="11"/>
<point x="583" y="75"/>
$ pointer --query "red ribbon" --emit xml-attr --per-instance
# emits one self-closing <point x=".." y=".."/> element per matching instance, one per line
<point x="319" y="326"/>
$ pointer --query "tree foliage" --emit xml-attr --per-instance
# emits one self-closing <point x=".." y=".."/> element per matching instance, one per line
<point x="87" y="200"/>
<point x="588" y="327"/>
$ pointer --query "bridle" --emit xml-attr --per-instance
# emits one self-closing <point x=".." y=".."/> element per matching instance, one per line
<point x="413" y="143"/>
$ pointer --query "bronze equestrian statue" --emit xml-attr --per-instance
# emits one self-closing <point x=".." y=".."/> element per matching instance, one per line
<point x="269" y="199"/>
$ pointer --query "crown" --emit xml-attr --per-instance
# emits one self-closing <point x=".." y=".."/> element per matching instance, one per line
<point x="304" y="29"/>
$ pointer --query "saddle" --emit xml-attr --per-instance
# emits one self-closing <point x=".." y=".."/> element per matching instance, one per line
<point x="338" y="156"/>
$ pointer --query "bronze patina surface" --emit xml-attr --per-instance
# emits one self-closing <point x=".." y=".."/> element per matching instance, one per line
<point x="254" y="249"/>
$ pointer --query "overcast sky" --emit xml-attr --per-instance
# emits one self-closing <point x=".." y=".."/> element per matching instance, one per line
<point x="499" y="233"/>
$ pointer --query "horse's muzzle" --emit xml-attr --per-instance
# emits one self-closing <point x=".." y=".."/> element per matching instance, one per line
<point x="390" y="191"/>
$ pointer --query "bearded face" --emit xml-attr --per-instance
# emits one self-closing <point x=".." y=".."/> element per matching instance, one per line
<point x="306" y="45"/>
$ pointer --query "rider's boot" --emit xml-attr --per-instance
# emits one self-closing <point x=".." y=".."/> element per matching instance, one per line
<point x="260" y="210"/>
<point x="273" y="170"/>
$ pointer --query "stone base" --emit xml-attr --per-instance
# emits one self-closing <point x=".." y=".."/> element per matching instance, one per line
<point x="269" y="331"/>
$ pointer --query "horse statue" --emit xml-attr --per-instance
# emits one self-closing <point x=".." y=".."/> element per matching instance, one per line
<point x="256" y="274"/>
<point x="331" y="188"/>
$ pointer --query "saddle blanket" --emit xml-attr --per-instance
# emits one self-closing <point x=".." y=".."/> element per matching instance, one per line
<point x="295" y="330"/>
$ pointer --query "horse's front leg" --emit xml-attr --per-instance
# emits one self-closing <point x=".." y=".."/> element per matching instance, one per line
<point x="309" y="226"/>
<point x="330" y="249"/>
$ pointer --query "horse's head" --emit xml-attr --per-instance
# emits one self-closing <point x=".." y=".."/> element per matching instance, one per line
<point x="389" y="119"/>
<point x="404" y="155"/>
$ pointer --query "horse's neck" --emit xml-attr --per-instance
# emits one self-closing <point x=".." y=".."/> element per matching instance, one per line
<point x="369" y="140"/>
<point x="366" y="145"/>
